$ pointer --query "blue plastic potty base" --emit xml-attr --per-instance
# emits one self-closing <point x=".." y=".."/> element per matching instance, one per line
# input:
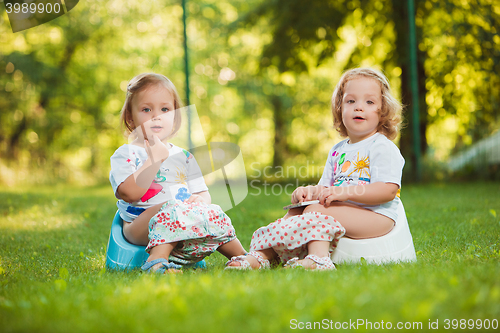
<point x="122" y="255"/>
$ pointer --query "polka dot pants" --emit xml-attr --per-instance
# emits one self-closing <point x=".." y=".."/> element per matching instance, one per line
<point x="289" y="237"/>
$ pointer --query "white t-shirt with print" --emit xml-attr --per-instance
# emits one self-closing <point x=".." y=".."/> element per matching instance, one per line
<point x="375" y="159"/>
<point x="179" y="176"/>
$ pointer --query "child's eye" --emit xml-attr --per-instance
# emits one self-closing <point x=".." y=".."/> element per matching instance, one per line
<point x="146" y="109"/>
<point x="165" y="109"/>
<point x="370" y="102"/>
<point x="350" y="101"/>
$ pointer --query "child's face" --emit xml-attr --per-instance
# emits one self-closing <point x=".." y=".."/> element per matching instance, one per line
<point x="361" y="104"/>
<point x="153" y="113"/>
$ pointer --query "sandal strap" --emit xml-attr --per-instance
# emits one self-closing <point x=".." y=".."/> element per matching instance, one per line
<point x="293" y="263"/>
<point x="165" y="265"/>
<point x="244" y="264"/>
<point x="264" y="263"/>
<point x="324" y="263"/>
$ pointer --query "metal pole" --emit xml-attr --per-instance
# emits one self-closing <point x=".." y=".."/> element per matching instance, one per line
<point x="186" y="72"/>
<point x="414" y="90"/>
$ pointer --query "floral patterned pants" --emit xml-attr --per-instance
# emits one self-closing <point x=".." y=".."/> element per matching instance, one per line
<point x="199" y="229"/>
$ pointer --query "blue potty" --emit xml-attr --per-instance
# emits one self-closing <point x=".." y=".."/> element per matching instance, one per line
<point x="122" y="255"/>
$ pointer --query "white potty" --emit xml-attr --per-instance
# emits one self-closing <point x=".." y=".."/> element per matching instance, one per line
<point x="396" y="246"/>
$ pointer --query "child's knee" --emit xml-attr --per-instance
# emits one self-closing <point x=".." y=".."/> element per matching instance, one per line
<point x="315" y="208"/>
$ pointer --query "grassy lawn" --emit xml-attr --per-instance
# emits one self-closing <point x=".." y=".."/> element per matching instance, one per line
<point x="52" y="276"/>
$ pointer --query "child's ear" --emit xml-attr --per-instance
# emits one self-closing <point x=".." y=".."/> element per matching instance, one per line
<point x="129" y="120"/>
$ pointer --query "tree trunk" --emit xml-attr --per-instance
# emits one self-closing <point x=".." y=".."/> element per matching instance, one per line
<point x="406" y="142"/>
<point x="13" y="146"/>
<point x="280" y="144"/>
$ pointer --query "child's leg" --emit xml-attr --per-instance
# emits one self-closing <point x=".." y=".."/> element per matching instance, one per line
<point x="137" y="232"/>
<point x="294" y="212"/>
<point x="232" y="249"/>
<point x="358" y="222"/>
<point x="161" y="251"/>
<point x="318" y="248"/>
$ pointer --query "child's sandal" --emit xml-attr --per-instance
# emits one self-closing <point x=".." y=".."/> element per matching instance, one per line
<point x="245" y="264"/>
<point x="166" y="265"/>
<point x="322" y="264"/>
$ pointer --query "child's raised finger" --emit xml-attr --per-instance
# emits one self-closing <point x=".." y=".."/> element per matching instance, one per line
<point x="156" y="139"/>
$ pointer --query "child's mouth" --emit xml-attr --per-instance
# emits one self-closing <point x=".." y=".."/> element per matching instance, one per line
<point x="156" y="128"/>
<point x="359" y="118"/>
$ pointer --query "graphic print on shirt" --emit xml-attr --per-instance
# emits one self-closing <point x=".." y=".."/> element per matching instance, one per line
<point x="360" y="165"/>
<point x="155" y="188"/>
<point x="343" y="166"/>
<point x="181" y="177"/>
<point x="159" y="178"/>
<point x="182" y="194"/>
<point x="334" y="165"/>
<point x="346" y="166"/>
<point x="188" y="155"/>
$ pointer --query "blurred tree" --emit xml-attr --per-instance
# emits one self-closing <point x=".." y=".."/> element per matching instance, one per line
<point x="228" y="92"/>
<point x="295" y="26"/>
<point x="64" y="82"/>
<point x="463" y="71"/>
<point x="262" y="75"/>
<point x="458" y="48"/>
<point x="376" y="32"/>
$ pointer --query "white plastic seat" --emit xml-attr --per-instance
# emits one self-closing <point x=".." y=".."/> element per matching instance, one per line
<point x="396" y="246"/>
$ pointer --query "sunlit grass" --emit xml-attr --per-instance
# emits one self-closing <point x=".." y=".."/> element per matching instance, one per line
<point x="52" y="276"/>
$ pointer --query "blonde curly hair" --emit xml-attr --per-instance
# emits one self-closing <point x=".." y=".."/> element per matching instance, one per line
<point x="390" y="113"/>
<point x="140" y="83"/>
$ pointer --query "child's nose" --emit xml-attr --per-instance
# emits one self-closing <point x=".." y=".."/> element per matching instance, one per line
<point x="156" y="114"/>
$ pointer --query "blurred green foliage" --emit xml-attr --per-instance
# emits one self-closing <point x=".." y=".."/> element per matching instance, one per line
<point x="262" y="75"/>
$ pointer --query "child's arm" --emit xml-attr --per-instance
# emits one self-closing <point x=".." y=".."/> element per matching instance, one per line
<point x="137" y="184"/>
<point x="370" y="194"/>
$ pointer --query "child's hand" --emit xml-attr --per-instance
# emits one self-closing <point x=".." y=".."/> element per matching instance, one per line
<point x="331" y="194"/>
<point x="157" y="152"/>
<point x="195" y="198"/>
<point x="303" y="193"/>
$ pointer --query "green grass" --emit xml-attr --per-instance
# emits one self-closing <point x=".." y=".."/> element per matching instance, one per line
<point x="52" y="276"/>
